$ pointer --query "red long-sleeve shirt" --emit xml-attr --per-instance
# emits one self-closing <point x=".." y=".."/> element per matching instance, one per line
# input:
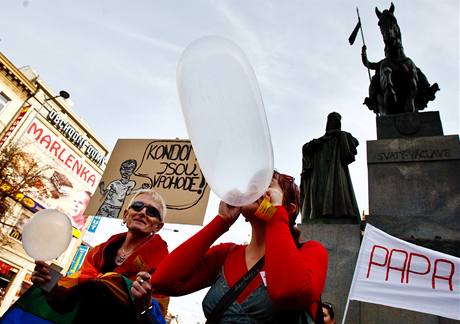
<point x="295" y="277"/>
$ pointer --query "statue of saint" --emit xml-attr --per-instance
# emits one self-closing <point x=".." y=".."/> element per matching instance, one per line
<point x="326" y="191"/>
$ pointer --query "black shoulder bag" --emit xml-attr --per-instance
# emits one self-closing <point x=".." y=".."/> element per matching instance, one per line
<point x="234" y="292"/>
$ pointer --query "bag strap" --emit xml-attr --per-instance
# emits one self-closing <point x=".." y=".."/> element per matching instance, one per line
<point x="231" y="295"/>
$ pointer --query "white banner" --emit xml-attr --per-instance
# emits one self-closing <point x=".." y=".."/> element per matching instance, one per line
<point x="395" y="273"/>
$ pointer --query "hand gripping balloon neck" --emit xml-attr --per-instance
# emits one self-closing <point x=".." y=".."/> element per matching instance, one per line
<point x="266" y="210"/>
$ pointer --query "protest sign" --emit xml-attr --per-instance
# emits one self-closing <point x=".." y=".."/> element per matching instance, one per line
<point x="167" y="166"/>
<point x="396" y="273"/>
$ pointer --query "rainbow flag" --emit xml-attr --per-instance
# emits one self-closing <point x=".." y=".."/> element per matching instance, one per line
<point x="33" y="306"/>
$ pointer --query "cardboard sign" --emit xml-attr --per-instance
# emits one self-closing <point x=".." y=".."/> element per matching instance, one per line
<point x="167" y="166"/>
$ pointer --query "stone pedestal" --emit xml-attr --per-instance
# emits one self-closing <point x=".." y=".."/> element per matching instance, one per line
<point x="409" y="125"/>
<point x="414" y="189"/>
<point x="414" y="194"/>
<point x="342" y="242"/>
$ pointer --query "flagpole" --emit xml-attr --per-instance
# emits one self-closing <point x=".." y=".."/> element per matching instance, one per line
<point x="345" y="312"/>
<point x="362" y="37"/>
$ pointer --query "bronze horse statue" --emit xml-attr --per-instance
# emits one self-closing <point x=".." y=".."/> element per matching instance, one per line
<point x="398" y="85"/>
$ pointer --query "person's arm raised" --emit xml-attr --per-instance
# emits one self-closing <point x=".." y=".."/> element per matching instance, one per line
<point x="295" y="277"/>
<point x="193" y="265"/>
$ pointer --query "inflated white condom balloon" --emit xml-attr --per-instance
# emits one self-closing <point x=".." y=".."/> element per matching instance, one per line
<point x="225" y="119"/>
<point x="47" y="234"/>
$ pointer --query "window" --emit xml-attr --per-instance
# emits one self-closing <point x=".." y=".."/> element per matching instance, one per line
<point x="3" y="100"/>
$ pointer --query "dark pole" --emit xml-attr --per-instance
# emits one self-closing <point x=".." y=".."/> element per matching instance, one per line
<point x="362" y="37"/>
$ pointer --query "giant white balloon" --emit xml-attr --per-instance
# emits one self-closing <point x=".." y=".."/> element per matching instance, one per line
<point x="47" y="234"/>
<point x="225" y="119"/>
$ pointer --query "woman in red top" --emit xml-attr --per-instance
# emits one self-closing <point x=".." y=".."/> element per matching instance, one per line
<point x="292" y="278"/>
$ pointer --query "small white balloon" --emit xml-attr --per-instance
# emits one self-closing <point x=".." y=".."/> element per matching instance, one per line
<point x="47" y="234"/>
<point x="225" y="119"/>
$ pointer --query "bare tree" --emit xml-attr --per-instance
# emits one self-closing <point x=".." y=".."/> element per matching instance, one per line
<point x="20" y="175"/>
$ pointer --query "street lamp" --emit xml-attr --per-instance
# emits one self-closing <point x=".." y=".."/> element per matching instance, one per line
<point x="63" y="94"/>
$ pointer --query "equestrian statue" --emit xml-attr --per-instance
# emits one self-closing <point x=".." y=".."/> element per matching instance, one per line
<point x="398" y="85"/>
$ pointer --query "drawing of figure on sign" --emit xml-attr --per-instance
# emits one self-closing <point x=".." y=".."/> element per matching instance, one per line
<point x="117" y="190"/>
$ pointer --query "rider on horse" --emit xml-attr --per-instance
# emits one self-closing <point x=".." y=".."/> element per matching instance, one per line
<point x="398" y="85"/>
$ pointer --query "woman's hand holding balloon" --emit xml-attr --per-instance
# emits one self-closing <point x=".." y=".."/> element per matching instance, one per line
<point x="229" y="213"/>
<point x="41" y="274"/>
<point x="142" y="291"/>
<point x="274" y="195"/>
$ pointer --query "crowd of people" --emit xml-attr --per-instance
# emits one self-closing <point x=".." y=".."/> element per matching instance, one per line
<point x="128" y="279"/>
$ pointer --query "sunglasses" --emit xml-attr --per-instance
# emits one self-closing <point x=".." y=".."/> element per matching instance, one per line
<point x="149" y="210"/>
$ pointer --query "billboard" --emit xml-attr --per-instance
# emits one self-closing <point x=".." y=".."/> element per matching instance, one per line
<point x="14" y="124"/>
<point x="69" y="179"/>
<point x="167" y="166"/>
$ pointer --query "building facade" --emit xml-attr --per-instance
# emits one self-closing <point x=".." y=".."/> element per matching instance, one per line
<point x="44" y="125"/>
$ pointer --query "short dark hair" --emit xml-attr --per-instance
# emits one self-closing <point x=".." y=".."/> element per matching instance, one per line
<point x="329" y="307"/>
<point x="129" y="163"/>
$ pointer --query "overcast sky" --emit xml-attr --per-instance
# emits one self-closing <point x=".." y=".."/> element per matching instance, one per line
<point x="118" y="61"/>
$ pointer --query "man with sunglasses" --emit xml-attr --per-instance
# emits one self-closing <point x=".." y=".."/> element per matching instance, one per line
<point x="100" y="287"/>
